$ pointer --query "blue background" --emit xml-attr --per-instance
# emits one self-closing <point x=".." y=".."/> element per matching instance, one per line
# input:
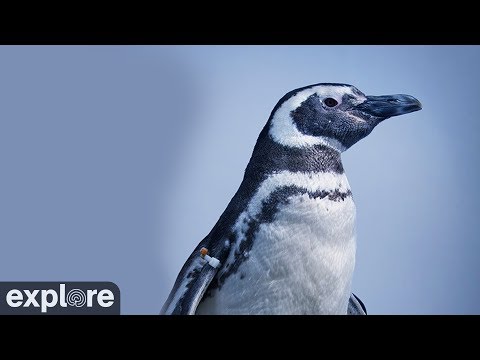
<point x="115" y="161"/>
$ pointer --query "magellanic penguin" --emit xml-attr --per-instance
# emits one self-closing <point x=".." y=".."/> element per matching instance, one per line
<point x="286" y="242"/>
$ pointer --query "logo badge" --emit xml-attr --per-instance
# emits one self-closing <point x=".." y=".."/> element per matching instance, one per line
<point x="59" y="298"/>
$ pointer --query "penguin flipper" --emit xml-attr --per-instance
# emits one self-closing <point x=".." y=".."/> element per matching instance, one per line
<point x="356" y="306"/>
<point x="190" y="286"/>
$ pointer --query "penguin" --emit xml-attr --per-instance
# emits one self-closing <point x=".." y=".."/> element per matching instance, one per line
<point x="286" y="242"/>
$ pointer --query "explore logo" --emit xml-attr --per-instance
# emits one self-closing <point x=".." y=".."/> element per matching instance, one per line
<point x="55" y="298"/>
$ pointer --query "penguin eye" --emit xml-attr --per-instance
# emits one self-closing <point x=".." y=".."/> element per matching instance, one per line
<point x="330" y="102"/>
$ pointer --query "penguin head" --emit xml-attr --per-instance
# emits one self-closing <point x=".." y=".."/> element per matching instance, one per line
<point x="334" y="115"/>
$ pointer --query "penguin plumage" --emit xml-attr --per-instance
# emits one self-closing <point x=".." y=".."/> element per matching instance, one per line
<point x="286" y="242"/>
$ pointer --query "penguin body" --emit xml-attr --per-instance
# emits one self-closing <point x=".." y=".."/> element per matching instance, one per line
<point x="310" y="232"/>
<point x="286" y="241"/>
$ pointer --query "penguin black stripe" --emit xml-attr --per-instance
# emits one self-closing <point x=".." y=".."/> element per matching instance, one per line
<point x="269" y="156"/>
<point x="286" y="241"/>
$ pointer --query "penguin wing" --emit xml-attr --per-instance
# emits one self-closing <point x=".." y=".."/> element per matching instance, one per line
<point x="190" y="286"/>
<point x="356" y="306"/>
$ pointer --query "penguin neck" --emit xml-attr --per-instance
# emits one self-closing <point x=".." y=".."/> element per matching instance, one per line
<point x="271" y="157"/>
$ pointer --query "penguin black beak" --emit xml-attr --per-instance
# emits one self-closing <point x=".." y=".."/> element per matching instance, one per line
<point x="386" y="106"/>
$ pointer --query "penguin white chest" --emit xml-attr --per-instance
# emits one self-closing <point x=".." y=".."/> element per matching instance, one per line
<point x="301" y="262"/>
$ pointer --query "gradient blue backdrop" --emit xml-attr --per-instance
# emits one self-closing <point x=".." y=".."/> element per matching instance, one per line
<point x="117" y="160"/>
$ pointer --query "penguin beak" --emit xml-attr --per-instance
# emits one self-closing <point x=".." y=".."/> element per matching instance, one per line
<point x="386" y="106"/>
